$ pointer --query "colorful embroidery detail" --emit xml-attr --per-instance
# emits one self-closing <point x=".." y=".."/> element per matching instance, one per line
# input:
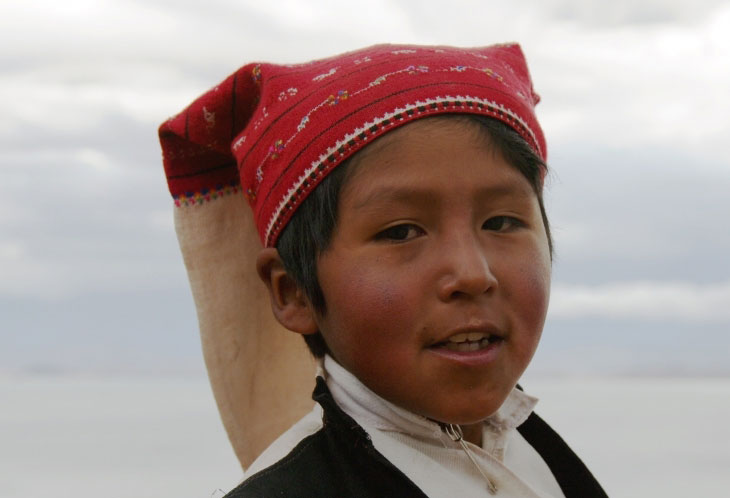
<point x="417" y="69"/>
<point x="276" y="149"/>
<point x="335" y="99"/>
<point x="256" y="73"/>
<point x="205" y="195"/>
<point x="489" y="72"/>
<point x="303" y="123"/>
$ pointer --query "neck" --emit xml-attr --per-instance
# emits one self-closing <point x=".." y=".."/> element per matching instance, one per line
<point x="473" y="433"/>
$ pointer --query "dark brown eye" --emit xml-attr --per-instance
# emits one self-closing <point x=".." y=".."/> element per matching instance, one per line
<point x="399" y="232"/>
<point x="502" y="223"/>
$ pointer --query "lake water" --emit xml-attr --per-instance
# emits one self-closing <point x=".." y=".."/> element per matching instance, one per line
<point x="150" y="437"/>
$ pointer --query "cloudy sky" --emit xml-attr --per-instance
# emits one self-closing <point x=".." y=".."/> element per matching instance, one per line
<point x="635" y="106"/>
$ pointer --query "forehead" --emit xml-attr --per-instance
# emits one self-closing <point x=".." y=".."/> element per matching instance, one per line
<point x="421" y="131"/>
<point x="420" y="144"/>
<point x="440" y="154"/>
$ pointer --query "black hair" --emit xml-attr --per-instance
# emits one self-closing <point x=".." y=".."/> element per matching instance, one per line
<point x="310" y="229"/>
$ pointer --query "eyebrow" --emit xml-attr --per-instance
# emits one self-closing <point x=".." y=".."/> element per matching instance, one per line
<point x="410" y="195"/>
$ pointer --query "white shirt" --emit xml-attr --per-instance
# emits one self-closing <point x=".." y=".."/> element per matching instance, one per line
<point x="420" y="449"/>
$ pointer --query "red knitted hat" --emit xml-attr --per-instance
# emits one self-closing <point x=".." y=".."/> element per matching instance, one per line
<point x="275" y="131"/>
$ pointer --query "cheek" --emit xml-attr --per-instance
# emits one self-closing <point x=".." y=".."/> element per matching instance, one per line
<point x="537" y="287"/>
<point x="364" y="306"/>
<point x="530" y="294"/>
<point x="365" y="293"/>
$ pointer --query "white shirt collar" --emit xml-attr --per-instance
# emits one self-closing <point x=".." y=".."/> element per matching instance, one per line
<point x="373" y="412"/>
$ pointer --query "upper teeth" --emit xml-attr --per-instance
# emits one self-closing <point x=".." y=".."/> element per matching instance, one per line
<point x="468" y="336"/>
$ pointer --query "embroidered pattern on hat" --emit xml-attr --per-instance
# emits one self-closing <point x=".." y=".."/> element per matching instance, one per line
<point x="417" y="69"/>
<point x="239" y="141"/>
<point x="325" y="75"/>
<point x="273" y="152"/>
<point x="276" y="149"/>
<point x="256" y="73"/>
<point x="205" y="195"/>
<point x="285" y="132"/>
<point x="209" y="117"/>
<point x="289" y="92"/>
<point x="489" y="72"/>
<point x="335" y="99"/>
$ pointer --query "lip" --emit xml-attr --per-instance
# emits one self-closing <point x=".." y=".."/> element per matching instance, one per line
<point x="482" y="327"/>
<point x="476" y="358"/>
<point x="479" y="357"/>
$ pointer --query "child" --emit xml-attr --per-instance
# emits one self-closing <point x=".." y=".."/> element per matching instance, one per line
<point x="397" y="191"/>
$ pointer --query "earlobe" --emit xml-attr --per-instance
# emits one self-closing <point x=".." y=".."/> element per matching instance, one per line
<point x="288" y="301"/>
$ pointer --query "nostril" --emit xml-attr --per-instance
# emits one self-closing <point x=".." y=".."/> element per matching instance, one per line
<point x="467" y="285"/>
<point x="466" y="267"/>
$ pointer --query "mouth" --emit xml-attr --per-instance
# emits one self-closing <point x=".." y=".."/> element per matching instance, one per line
<point x="465" y="342"/>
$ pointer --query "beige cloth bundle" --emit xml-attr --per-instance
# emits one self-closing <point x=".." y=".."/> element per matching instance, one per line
<point x="262" y="375"/>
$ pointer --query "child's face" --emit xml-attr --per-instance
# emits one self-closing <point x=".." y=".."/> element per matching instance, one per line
<point x="437" y="237"/>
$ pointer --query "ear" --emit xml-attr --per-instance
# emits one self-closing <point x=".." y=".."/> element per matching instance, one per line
<point x="288" y="301"/>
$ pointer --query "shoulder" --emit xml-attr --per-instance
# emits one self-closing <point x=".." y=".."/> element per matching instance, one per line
<point x="572" y="475"/>
<point x="298" y="474"/>
<point x="284" y="444"/>
<point x="330" y="457"/>
<point x="321" y="465"/>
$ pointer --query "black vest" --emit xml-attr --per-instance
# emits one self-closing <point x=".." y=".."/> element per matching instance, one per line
<point x="340" y="461"/>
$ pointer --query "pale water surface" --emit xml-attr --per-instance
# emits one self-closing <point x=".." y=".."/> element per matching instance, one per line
<point x="151" y="437"/>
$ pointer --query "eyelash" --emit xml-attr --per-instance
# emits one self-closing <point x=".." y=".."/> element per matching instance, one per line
<point x="512" y="223"/>
<point x="392" y="233"/>
<point x="400" y="233"/>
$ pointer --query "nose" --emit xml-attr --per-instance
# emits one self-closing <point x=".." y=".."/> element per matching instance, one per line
<point x="466" y="269"/>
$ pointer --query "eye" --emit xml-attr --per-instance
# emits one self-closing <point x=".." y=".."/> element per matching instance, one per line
<point x="400" y="233"/>
<point x="502" y="224"/>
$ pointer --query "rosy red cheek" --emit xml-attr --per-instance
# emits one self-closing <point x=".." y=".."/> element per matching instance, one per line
<point x="540" y="285"/>
<point x="372" y="292"/>
<point x="366" y="300"/>
<point x="380" y="296"/>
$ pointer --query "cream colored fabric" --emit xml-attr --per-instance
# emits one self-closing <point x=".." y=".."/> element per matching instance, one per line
<point x="261" y="374"/>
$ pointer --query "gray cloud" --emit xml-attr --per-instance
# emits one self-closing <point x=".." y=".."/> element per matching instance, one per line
<point x="634" y="105"/>
<point x="631" y="347"/>
<point x="627" y="12"/>
<point x="140" y="330"/>
<point x="665" y="301"/>
<point x="648" y="214"/>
